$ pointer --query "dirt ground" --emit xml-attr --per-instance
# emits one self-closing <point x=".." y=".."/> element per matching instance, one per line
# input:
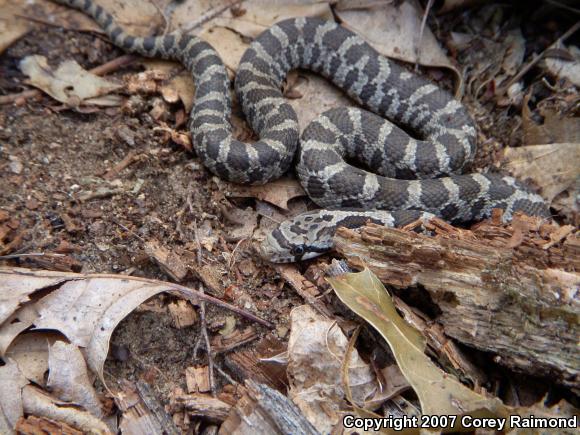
<point x="57" y="188"/>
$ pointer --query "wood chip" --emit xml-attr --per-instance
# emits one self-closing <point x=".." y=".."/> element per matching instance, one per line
<point x="182" y="314"/>
<point x="197" y="379"/>
<point x="167" y="260"/>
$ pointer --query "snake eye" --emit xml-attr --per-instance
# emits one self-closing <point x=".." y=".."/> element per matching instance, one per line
<point x="297" y="250"/>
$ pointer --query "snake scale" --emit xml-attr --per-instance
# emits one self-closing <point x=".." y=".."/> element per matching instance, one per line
<point x="413" y="178"/>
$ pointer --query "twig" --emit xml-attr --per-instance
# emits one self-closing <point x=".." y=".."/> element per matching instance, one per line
<point x="100" y="70"/>
<point x="207" y="343"/>
<point x="31" y="254"/>
<point x="537" y="58"/>
<point x="129" y="230"/>
<point x="197" y="242"/>
<point x="128" y="160"/>
<point x="228" y="378"/>
<point x="210" y="15"/>
<point x="235" y="345"/>
<point x="563" y="6"/>
<point x="232" y="260"/>
<point x="205" y="297"/>
<point x="418" y="47"/>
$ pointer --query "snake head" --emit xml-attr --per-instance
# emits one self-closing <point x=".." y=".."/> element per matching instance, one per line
<point x="310" y="234"/>
<point x="300" y="238"/>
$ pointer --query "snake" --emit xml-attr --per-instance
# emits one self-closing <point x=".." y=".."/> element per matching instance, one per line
<point x="357" y="164"/>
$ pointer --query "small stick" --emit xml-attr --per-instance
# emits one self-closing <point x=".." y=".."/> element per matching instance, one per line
<point x="421" y="31"/>
<point x="210" y="15"/>
<point x="207" y="343"/>
<point x="31" y="254"/>
<point x="114" y="171"/>
<point x="237" y="344"/>
<point x="537" y="58"/>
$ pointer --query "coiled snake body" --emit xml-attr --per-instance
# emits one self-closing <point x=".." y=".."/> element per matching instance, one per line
<point x="404" y="166"/>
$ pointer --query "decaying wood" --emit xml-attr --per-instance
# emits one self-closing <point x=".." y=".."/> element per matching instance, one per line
<point x="509" y="289"/>
<point x="252" y="363"/>
<point x="33" y="425"/>
<point x="263" y="410"/>
<point x="201" y="405"/>
<point x="167" y="260"/>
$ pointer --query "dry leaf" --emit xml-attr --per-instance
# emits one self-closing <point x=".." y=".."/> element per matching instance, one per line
<point x="38" y="403"/>
<point x="553" y="168"/>
<point x="316" y="349"/>
<point x="30" y="352"/>
<point x="229" y="327"/>
<point x="261" y="14"/>
<point x="12" y="27"/>
<point x="70" y="83"/>
<point x="69" y="380"/>
<point x="317" y="96"/>
<point x="554" y="129"/>
<point x="11" y="384"/>
<point x="566" y="69"/>
<point x="277" y="192"/>
<point x="246" y="219"/>
<point x="182" y="314"/>
<point x="85" y="308"/>
<point x="16" y="290"/>
<point x="393" y="30"/>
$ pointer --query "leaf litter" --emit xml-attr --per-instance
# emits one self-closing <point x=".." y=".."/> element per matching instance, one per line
<point x="171" y="175"/>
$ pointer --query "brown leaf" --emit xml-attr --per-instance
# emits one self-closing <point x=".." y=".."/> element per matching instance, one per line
<point x="70" y="83"/>
<point x="317" y="388"/>
<point x="277" y="192"/>
<point x="11" y="383"/>
<point x="69" y="379"/>
<point x="393" y="29"/>
<point x="553" y="168"/>
<point x="85" y="308"/>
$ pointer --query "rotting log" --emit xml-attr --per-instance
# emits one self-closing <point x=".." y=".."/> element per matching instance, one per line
<point x="513" y="290"/>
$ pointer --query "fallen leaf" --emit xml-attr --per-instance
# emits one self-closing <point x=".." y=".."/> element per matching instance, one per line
<point x="12" y="26"/>
<point x="552" y="168"/>
<point x="182" y="314"/>
<point x="11" y="384"/>
<point x="245" y="219"/>
<point x="439" y="393"/>
<point x="277" y="192"/>
<point x="566" y="69"/>
<point x="16" y="290"/>
<point x="393" y="30"/>
<point x="317" y="96"/>
<point x="19" y="321"/>
<point x="229" y="327"/>
<point x="30" y="352"/>
<point x="554" y="129"/>
<point x="316" y="350"/>
<point x="69" y="380"/>
<point x="85" y="308"/>
<point x="70" y="83"/>
<point x="37" y="402"/>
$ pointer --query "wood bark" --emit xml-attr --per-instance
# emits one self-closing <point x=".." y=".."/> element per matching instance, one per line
<point x="263" y="410"/>
<point x="511" y="290"/>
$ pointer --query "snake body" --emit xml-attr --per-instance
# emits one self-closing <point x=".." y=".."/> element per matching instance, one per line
<point x="404" y="166"/>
